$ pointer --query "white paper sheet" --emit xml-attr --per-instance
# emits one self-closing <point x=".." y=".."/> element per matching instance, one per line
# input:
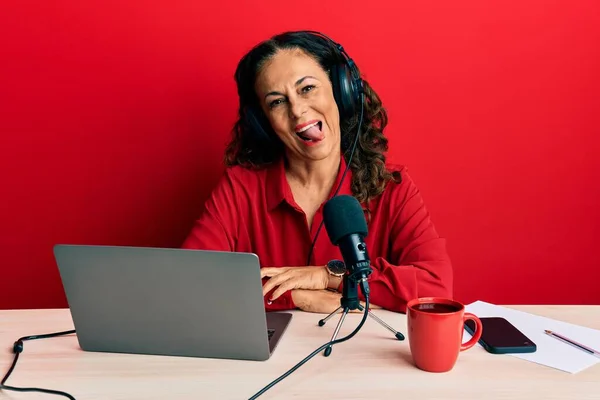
<point x="550" y="351"/>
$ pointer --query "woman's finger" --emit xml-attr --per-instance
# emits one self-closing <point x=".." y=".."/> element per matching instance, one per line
<point x="271" y="271"/>
<point x="284" y="287"/>
<point x="273" y="282"/>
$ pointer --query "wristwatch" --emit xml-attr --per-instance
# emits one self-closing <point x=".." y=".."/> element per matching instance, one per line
<point x="336" y="268"/>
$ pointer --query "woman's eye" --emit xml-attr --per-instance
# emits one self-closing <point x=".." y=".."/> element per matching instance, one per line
<point x="275" y="103"/>
<point x="308" y="88"/>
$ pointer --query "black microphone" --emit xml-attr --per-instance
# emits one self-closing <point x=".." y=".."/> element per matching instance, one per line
<point x="346" y="227"/>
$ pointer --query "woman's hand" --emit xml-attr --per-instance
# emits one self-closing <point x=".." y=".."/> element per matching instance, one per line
<point x="288" y="278"/>
<point x="321" y="301"/>
<point x="316" y="301"/>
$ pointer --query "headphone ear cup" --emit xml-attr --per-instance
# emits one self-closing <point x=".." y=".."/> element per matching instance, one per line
<point x="344" y="91"/>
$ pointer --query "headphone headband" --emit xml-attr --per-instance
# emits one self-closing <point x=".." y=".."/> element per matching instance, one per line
<point x="355" y="75"/>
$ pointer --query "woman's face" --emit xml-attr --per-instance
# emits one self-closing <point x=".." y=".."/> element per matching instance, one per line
<point x="296" y="95"/>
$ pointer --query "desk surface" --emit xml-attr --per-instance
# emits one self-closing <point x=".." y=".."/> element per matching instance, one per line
<point x="371" y="365"/>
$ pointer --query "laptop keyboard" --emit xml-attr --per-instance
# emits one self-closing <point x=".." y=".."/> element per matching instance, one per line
<point x="270" y="332"/>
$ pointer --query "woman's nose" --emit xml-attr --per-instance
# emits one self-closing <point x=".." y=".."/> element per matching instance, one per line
<point x="297" y="108"/>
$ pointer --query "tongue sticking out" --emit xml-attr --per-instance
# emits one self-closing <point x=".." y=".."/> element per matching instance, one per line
<point x="312" y="133"/>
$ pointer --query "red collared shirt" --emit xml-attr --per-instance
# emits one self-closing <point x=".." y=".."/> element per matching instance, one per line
<point x="254" y="211"/>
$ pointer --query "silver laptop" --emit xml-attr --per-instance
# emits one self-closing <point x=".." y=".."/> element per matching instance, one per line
<point x="174" y="302"/>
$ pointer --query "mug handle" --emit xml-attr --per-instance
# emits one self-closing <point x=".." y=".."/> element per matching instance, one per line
<point x="476" y="334"/>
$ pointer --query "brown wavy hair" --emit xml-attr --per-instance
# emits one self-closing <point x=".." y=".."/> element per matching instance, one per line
<point x="255" y="145"/>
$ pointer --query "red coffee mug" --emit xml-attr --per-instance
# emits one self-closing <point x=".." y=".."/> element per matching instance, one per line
<point x="435" y="332"/>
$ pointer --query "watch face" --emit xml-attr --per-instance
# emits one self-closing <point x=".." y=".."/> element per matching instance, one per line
<point x="336" y="267"/>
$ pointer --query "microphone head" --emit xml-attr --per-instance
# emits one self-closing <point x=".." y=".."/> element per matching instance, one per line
<point x="343" y="216"/>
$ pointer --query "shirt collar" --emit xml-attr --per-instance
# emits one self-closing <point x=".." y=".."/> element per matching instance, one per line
<point x="278" y="188"/>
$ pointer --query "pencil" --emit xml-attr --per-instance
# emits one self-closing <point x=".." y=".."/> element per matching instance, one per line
<point x="573" y="343"/>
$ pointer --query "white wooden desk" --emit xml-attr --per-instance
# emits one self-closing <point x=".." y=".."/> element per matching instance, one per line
<point x="371" y="365"/>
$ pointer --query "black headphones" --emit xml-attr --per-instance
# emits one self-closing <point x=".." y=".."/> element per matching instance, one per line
<point x="347" y="87"/>
<point x="346" y="81"/>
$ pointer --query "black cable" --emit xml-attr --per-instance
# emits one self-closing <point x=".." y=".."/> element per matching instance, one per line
<point x="312" y="245"/>
<point x="364" y="284"/>
<point x="18" y="349"/>
<point x="314" y="353"/>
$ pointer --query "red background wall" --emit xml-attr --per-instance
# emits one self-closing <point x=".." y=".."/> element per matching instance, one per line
<point x="114" y="116"/>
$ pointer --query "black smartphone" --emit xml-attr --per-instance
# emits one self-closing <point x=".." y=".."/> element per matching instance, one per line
<point x="501" y="337"/>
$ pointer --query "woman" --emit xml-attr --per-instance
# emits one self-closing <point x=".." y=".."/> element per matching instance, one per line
<point x="289" y="151"/>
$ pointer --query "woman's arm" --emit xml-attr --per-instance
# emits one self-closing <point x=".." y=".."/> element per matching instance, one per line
<point x="217" y="229"/>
